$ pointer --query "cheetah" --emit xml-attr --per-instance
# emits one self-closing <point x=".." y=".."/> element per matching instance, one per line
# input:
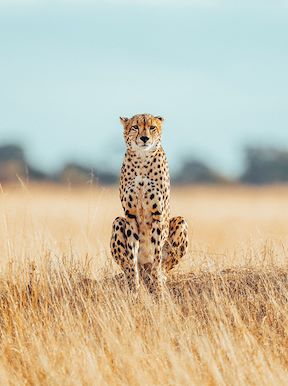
<point x="146" y="243"/>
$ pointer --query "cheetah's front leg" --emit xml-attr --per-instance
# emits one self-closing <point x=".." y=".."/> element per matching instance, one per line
<point x="124" y="249"/>
<point x="157" y="241"/>
<point x="177" y="244"/>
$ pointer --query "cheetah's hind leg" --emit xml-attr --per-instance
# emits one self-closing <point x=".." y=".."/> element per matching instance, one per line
<point x="177" y="244"/>
<point x="119" y="252"/>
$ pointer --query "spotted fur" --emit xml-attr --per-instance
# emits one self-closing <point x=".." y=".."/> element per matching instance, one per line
<point x="146" y="243"/>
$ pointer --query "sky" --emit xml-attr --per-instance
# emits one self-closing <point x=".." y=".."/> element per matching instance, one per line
<point x="216" y="70"/>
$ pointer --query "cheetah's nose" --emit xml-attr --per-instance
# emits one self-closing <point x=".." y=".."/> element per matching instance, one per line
<point x="144" y="139"/>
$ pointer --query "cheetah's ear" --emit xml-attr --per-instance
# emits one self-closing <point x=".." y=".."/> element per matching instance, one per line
<point x="160" y="118"/>
<point x="124" y="120"/>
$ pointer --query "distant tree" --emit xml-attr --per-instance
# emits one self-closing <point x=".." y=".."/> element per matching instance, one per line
<point x="196" y="172"/>
<point x="107" y="177"/>
<point x="79" y="174"/>
<point x="11" y="153"/>
<point x="265" y="165"/>
<point x="76" y="174"/>
<point x="37" y="175"/>
<point x="13" y="165"/>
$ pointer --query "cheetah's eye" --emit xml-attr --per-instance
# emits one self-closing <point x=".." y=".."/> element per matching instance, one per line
<point x="152" y="128"/>
<point x="135" y="128"/>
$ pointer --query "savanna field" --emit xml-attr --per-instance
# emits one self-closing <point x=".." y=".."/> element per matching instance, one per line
<point x="67" y="318"/>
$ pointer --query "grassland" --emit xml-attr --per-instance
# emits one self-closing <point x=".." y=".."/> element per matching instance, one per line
<point x="67" y="319"/>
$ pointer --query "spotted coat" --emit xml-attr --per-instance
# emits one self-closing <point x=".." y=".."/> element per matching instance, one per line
<point x="146" y="243"/>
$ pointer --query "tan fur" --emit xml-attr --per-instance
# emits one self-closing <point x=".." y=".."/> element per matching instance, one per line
<point x="146" y="241"/>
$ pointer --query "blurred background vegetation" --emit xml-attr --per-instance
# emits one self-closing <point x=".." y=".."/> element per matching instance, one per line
<point x="263" y="165"/>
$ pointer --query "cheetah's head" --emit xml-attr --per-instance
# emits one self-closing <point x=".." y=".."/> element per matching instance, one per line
<point x="142" y="132"/>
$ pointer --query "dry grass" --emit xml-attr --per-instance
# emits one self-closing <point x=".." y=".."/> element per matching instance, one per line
<point x="67" y="319"/>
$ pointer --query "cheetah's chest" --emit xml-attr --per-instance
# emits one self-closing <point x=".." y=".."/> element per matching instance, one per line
<point x="144" y="190"/>
<point x="144" y="193"/>
<point x="141" y="186"/>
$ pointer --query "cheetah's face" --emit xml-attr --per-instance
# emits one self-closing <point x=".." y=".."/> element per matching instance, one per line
<point x="142" y="132"/>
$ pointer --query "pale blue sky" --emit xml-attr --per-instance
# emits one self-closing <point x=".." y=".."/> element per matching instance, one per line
<point x="217" y="72"/>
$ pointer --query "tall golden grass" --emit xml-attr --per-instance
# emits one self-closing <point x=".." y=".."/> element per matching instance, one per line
<point x="67" y="318"/>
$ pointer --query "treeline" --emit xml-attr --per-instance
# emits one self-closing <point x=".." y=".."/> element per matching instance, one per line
<point x="14" y="166"/>
<point x="262" y="166"/>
